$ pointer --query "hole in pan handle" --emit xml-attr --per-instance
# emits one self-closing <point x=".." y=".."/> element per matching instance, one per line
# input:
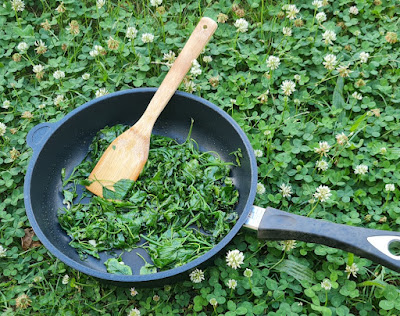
<point x="38" y="134"/>
<point x="372" y="244"/>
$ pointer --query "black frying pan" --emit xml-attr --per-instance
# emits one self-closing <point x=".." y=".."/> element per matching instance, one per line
<point x="64" y="144"/>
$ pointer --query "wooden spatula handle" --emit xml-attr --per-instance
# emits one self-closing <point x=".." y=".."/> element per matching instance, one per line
<point x="192" y="49"/>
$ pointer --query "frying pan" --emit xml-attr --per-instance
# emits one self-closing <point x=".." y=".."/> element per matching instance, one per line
<point x="64" y="144"/>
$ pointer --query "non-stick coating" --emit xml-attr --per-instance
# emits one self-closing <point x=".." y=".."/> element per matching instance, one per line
<point x="65" y="143"/>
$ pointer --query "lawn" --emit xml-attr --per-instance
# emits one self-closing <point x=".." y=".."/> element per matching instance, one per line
<point x="314" y="85"/>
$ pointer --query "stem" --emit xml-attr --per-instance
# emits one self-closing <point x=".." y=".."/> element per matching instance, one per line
<point x="236" y="39"/>
<point x="283" y="257"/>
<point x="312" y="210"/>
<point x="261" y="18"/>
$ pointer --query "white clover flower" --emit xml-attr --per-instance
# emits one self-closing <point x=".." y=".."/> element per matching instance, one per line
<point x="190" y="86"/>
<point x="389" y="187"/>
<point x="133" y="291"/>
<point x="73" y="28"/>
<point x="285" y="190"/>
<point x="326" y="284"/>
<point x="134" y="312"/>
<point x="353" y="10"/>
<point x="323" y="148"/>
<point x="131" y="32"/>
<point x="329" y="36"/>
<point x="37" y="279"/>
<point x="6" y="104"/>
<point x="100" y="3"/>
<point x="322" y="193"/>
<point x="3" y="129"/>
<point x="330" y="61"/>
<point x="3" y="250"/>
<point x="351" y="270"/>
<point x="58" y="74"/>
<point x="361" y="169"/>
<point x="147" y="38"/>
<point x="213" y="302"/>
<point x="357" y="33"/>
<point x="86" y="76"/>
<point x="357" y="96"/>
<point x="322" y="165"/>
<point x="341" y="138"/>
<point x="196" y="276"/>
<point x="383" y="150"/>
<point x="321" y="17"/>
<point x="258" y="153"/>
<point x="22" y="47"/>
<point x="291" y="11"/>
<point x="364" y="57"/>
<point x="248" y="273"/>
<point x="100" y="49"/>
<point x="288" y="245"/>
<point x="41" y="47"/>
<point x="101" y="92"/>
<point x="65" y="279"/>
<point x="27" y="115"/>
<point x="287" y="31"/>
<point x="288" y="87"/>
<point x="234" y="258"/>
<point x="93" y="53"/>
<point x="41" y="106"/>
<point x="155" y="3"/>
<point x="207" y="59"/>
<point x="169" y="57"/>
<point x="260" y="188"/>
<point x="18" y="5"/>
<point x="297" y="77"/>
<point x="273" y="62"/>
<point x="97" y="50"/>
<point x="317" y="4"/>
<point x="232" y="284"/>
<point x="37" y="69"/>
<point x="58" y="99"/>
<point x="344" y="71"/>
<point x="242" y="25"/>
<point x="60" y="8"/>
<point x="195" y="70"/>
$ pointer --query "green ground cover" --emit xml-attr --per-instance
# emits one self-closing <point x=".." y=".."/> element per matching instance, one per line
<point x="315" y="86"/>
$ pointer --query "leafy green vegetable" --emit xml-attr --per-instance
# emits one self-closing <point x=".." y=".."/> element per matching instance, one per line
<point x="117" y="267"/>
<point x="181" y="205"/>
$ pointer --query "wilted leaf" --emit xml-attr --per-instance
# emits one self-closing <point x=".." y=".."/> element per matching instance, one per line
<point x="27" y="241"/>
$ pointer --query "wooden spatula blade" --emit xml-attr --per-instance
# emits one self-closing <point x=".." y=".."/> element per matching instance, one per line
<point x="127" y="154"/>
<point x="123" y="159"/>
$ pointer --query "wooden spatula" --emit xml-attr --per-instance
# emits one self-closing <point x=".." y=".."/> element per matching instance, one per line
<point x="128" y="153"/>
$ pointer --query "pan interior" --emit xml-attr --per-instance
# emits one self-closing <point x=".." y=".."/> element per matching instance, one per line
<point x="68" y="145"/>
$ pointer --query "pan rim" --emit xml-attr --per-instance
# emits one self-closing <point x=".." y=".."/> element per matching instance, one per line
<point x="162" y="274"/>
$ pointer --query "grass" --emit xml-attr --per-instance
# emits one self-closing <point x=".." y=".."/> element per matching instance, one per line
<point x="349" y="100"/>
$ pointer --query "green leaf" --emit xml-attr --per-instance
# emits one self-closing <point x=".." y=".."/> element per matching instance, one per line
<point x="148" y="269"/>
<point x="117" y="267"/>
<point x="337" y="99"/>
<point x="325" y="311"/>
<point x="298" y="271"/>
<point x="358" y="122"/>
<point x="386" y="305"/>
<point x="121" y="189"/>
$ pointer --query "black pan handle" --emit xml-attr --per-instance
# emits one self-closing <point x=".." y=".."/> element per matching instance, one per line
<point x="39" y="134"/>
<point x="372" y="244"/>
